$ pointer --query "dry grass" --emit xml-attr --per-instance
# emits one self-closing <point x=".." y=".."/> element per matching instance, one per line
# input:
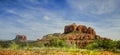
<point x="54" y="52"/>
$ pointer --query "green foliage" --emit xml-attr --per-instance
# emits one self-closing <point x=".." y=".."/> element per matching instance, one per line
<point x="92" y="46"/>
<point x="107" y="44"/>
<point x="5" y="44"/>
<point x="118" y="44"/>
<point x="0" y="47"/>
<point x="38" y="45"/>
<point x="56" y="42"/>
<point x="14" y="46"/>
<point x="28" y="47"/>
<point x="22" y="44"/>
<point x="74" y="46"/>
<point x="59" y="43"/>
<point x="102" y="44"/>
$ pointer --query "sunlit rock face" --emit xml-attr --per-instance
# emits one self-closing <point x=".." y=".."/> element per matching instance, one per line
<point x="82" y="28"/>
<point x="70" y="28"/>
<point x="21" y="38"/>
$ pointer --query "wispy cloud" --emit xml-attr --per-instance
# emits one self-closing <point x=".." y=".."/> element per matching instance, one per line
<point x="97" y="7"/>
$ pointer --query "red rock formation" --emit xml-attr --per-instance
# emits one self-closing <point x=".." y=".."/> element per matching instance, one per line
<point x="70" y="28"/>
<point x="91" y="31"/>
<point x="86" y="35"/>
<point x="97" y="37"/>
<point x="21" y="38"/>
<point x="82" y="28"/>
<point x="81" y="35"/>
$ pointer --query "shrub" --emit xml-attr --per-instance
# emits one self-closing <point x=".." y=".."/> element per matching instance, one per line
<point x="118" y="44"/>
<point x="92" y="46"/>
<point x="0" y="47"/>
<point x="22" y="44"/>
<point x="14" y="46"/>
<point x="56" y="42"/>
<point x="74" y="45"/>
<point x="5" y="44"/>
<point x="27" y="47"/>
<point x="102" y="44"/>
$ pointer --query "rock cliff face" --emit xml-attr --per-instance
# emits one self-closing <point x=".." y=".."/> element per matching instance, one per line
<point x="21" y="38"/>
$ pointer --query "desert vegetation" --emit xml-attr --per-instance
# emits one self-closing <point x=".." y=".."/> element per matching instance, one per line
<point x="60" y="47"/>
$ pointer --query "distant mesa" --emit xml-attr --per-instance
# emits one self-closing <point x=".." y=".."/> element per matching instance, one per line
<point x="21" y="38"/>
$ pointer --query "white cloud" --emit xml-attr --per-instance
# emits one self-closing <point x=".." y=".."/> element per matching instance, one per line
<point x="97" y="7"/>
<point x="46" y="18"/>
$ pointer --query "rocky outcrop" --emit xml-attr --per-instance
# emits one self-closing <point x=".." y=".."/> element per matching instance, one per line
<point x="21" y="38"/>
<point x="70" y="28"/>
<point x="86" y="35"/>
<point x="91" y="31"/>
<point x="79" y="28"/>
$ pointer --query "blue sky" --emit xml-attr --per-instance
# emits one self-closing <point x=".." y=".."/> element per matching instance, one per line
<point x="36" y="18"/>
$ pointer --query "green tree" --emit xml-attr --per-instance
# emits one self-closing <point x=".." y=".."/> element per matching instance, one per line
<point x="92" y="46"/>
<point x="108" y="44"/>
<point x="56" y="42"/>
<point x="102" y="44"/>
<point x="118" y="44"/>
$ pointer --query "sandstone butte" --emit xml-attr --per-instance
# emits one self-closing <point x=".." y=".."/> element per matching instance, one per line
<point x="79" y="28"/>
<point x="21" y="38"/>
<point x="80" y="35"/>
